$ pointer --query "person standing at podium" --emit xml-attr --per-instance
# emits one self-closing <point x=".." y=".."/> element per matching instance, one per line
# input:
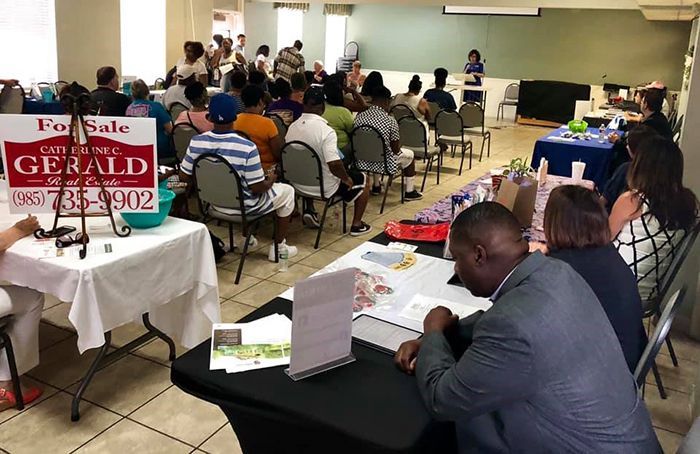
<point x="474" y="67"/>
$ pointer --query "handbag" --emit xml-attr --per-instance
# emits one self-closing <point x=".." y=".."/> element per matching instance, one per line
<point x="218" y="246"/>
<point x="429" y="233"/>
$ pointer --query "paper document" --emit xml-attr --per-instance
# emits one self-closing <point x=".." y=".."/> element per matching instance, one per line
<point x="225" y="68"/>
<point x="420" y="305"/>
<point x="238" y="347"/>
<point x="378" y="333"/>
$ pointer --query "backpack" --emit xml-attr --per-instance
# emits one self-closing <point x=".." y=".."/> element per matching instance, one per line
<point x="218" y="246"/>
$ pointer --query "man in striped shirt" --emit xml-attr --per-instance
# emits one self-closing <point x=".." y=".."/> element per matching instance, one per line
<point x="289" y="61"/>
<point x="261" y="193"/>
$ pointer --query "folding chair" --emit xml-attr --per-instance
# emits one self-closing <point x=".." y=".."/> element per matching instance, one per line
<point x="368" y="145"/>
<point x="12" y="99"/>
<point x="449" y="129"/>
<point x="279" y="122"/>
<point x="301" y="167"/>
<point x="663" y="327"/>
<point x="473" y="118"/>
<point x="510" y="98"/>
<point x="677" y="129"/>
<point x="401" y="110"/>
<point x="176" y="109"/>
<point x="415" y="137"/>
<point x="6" y="343"/>
<point x="182" y="135"/>
<point x="219" y="187"/>
<point x="58" y="86"/>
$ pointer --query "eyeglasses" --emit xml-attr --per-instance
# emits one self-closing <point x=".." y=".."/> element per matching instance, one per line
<point x="69" y="240"/>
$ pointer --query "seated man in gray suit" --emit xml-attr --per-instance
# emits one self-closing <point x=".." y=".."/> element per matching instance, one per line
<point x="544" y="371"/>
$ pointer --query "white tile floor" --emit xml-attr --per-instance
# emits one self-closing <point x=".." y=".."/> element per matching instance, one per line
<point x="157" y="417"/>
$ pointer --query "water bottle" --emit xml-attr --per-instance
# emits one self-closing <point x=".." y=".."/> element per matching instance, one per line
<point x="283" y="255"/>
<point x="601" y="133"/>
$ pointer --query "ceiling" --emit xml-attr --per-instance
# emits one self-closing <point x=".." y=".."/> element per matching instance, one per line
<point x="663" y="10"/>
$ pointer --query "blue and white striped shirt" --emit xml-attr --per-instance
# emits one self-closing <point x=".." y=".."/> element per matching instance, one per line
<point x="243" y="155"/>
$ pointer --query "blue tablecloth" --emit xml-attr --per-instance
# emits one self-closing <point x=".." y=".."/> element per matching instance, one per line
<point x="561" y="154"/>
<point x="34" y="107"/>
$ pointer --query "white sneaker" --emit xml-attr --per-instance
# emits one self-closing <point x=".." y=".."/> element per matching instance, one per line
<point x="251" y="244"/>
<point x="291" y="252"/>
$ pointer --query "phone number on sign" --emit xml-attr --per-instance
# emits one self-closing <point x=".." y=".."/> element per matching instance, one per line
<point x="96" y="200"/>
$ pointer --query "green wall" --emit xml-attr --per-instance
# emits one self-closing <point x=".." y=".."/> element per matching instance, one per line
<point x="562" y="44"/>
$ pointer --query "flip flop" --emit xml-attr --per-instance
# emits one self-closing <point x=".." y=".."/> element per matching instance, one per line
<point x="28" y="396"/>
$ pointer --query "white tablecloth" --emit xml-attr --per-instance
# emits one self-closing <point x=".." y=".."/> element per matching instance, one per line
<point x="168" y="271"/>
<point x="427" y="277"/>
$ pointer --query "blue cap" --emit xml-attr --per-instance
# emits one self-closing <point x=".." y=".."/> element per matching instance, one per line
<point x="222" y="109"/>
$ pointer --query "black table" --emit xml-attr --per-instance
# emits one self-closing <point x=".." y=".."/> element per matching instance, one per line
<point x="550" y="100"/>
<point x="365" y="407"/>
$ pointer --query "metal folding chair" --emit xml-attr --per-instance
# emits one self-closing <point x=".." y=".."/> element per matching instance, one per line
<point x="510" y="98"/>
<point x="12" y="99"/>
<point x="399" y="111"/>
<point x="182" y="135"/>
<point x="473" y="118"/>
<point x="449" y="129"/>
<point x="301" y="166"/>
<point x="415" y="137"/>
<point x="219" y="187"/>
<point x="368" y="145"/>
<point x="6" y="343"/>
<point x="279" y="122"/>
<point x="176" y="109"/>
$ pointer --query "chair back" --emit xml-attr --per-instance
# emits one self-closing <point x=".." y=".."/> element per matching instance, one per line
<point x="449" y="123"/>
<point x="512" y="93"/>
<point x="677" y="129"/>
<point x="279" y="122"/>
<point x="58" y="86"/>
<point x="12" y="99"/>
<point x="413" y="135"/>
<point x="159" y="83"/>
<point x="352" y="50"/>
<point x="301" y="166"/>
<point x="217" y="183"/>
<point x="401" y="110"/>
<point x="368" y="145"/>
<point x="472" y="115"/>
<point x="434" y="109"/>
<point x="176" y="109"/>
<point x="663" y="326"/>
<point x="182" y="135"/>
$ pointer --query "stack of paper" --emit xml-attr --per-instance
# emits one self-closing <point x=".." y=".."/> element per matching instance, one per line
<point x="238" y="347"/>
<point x="420" y="305"/>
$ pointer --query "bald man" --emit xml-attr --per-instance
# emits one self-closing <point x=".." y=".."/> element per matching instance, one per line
<point x="544" y="371"/>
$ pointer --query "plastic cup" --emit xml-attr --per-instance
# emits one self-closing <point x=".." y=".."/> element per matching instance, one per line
<point x="47" y="95"/>
<point x="577" y="169"/>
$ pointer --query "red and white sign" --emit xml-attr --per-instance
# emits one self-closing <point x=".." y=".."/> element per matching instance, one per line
<point x="34" y="154"/>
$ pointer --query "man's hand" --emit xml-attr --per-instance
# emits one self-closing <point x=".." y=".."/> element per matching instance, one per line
<point x="438" y="320"/>
<point x="613" y="137"/>
<point x="27" y="226"/>
<point x="271" y="175"/>
<point x="405" y="357"/>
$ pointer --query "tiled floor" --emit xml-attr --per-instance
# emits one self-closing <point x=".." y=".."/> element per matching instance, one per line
<point x="131" y="406"/>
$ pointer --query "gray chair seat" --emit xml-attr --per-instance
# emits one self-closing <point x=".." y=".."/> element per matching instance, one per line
<point x="476" y="131"/>
<point x="226" y="216"/>
<point x="457" y="140"/>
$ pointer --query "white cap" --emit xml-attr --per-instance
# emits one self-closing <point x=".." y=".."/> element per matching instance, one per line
<point x="185" y="71"/>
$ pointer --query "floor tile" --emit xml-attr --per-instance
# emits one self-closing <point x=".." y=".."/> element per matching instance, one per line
<point x="671" y="414"/>
<point x="296" y="272"/>
<point x="669" y="440"/>
<point x="50" y="301"/>
<point x="260" y="293"/>
<point x="47" y="427"/>
<point x="227" y="287"/>
<point x="58" y="316"/>
<point x="348" y="243"/>
<point x="128" y="436"/>
<point x="181" y="416"/>
<point x="256" y="265"/>
<point x="127" y="333"/>
<point x="51" y="335"/>
<point x="320" y="259"/>
<point x="680" y="378"/>
<point x="158" y="351"/>
<point x="686" y="348"/>
<point x="223" y="442"/>
<point x="61" y="365"/>
<point x="127" y="384"/>
<point x="232" y="311"/>
<point x="11" y="413"/>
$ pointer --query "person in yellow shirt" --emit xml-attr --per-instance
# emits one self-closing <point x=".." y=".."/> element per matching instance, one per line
<point x="261" y="130"/>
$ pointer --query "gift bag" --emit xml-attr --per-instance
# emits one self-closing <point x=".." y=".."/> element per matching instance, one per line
<point x="519" y="197"/>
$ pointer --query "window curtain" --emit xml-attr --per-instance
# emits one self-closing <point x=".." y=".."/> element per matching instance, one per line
<point x="337" y="9"/>
<point x="298" y="6"/>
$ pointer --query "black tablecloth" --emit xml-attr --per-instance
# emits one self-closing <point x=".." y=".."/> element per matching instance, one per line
<point x="550" y="100"/>
<point x="364" y="407"/>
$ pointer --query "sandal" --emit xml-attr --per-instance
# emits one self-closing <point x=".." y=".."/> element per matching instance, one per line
<point x="29" y="395"/>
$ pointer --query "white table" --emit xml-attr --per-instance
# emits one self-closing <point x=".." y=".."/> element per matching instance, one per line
<point x="157" y="95"/>
<point x="164" y="276"/>
<point x="462" y="87"/>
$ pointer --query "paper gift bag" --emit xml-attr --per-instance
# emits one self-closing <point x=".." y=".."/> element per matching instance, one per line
<point x="519" y="199"/>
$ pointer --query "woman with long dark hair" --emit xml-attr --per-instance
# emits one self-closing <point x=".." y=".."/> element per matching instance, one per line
<point x="650" y="220"/>
<point x="373" y="81"/>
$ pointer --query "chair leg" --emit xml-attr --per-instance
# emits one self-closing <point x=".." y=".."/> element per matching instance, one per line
<point x="321" y="223"/>
<point x="230" y="236"/>
<point x="659" y="384"/>
<point x="345" y="218"/>
<point x="461" y="163"/>
<point x="388" y="185"/>
<point x="454" y="148"/>
<point x="439" y="164"/>
<point x="425" y="174"/>
<point x="403" y="187"/>
<point x="488" y="147"/>
<point x="671" y="351"/>
<point x="243" y="255"/>
<point x="14" y="375"/>
<point x="483" y="142"/>
<point x="471" y="151"/>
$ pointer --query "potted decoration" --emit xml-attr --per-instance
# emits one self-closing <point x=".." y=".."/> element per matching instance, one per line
<point x="518" y="191"/>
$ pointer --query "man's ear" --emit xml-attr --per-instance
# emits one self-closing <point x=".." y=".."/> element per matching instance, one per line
<point x="480" y="255"/>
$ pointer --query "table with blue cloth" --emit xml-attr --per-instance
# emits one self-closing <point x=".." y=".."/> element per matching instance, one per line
<point x="34" y="107"/>
<point x="562" y="152"/>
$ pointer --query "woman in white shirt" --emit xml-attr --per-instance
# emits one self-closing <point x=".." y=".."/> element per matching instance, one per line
<point x="412" y="99"/>
<point x="228" y="56"/>
<point x="650" y="221"/>
<point x="261" y="61"/>
<point x="194" y="50"/>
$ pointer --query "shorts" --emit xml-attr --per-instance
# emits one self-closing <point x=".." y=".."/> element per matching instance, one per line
<point x="349" y="195"/>
<point x="405" y="158"/>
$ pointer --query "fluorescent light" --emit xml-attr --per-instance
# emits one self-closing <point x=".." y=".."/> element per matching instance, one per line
<point x="496" y="11"/>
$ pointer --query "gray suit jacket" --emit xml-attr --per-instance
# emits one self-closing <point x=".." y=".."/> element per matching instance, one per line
<point x="544" y="372"/>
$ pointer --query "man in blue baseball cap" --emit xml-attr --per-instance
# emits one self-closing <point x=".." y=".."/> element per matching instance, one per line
<point x="261" y="193"/>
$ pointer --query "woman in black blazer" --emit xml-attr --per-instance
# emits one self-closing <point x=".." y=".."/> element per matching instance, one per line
<point x="577" y="232"/>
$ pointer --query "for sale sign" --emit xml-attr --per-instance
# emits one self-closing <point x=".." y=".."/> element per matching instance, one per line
<point x="123" y="153"/>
